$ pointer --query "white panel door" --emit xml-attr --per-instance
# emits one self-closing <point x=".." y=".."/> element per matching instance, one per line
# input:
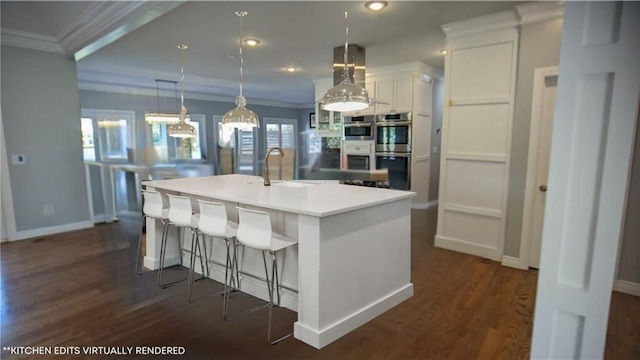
<point x="595" y="116"/>
<point x="476" y="143"/>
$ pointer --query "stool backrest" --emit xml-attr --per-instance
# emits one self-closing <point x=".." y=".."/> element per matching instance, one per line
<point x="153" y="204"/>
<point x="213" y="218"/>
<point x="180" y="210"/>
<point x="254" y="229"/>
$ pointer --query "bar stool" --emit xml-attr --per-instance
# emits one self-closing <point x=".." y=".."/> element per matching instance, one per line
<point x="152" y="207"/>
<point x="254" y="231"/>
<point x="214" y="223"/>
<point x="181" y="216"/>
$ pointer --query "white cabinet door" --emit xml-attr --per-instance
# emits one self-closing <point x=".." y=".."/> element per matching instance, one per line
<point x="396" y="91"/>
<point x="384" y="92"/>
<point x="402" y="94"/>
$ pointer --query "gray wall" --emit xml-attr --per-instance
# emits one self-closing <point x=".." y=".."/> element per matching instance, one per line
<point x="629" y="266"/>
<point x="41" y="119"/>
<point x="539" y="47"/>
<point x="436" y="138"/>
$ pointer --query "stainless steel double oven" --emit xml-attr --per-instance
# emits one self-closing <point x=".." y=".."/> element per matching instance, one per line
<point x="393" y="148"/>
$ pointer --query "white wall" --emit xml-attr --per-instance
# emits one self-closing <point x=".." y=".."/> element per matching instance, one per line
<point x="41" y="120"/>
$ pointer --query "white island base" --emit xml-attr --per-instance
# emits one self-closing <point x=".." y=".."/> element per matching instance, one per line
<point x="353" y="260"/>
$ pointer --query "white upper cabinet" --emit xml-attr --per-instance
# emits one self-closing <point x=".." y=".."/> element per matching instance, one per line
<point x="397" y="92"/>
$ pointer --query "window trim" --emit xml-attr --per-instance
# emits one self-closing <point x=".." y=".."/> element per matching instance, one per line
<point x="130" y="117"/>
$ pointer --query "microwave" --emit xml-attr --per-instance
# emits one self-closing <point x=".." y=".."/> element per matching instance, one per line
<point x="359" y="127"/>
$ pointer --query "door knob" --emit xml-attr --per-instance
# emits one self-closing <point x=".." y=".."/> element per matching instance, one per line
<point x="543" y="188"/>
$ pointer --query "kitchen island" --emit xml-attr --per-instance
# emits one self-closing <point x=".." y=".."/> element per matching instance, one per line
<point x="353" y="259"/>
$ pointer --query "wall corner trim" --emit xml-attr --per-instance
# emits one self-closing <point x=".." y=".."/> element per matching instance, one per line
<point x="540" y="11"/>
<point x="627" y="287"/>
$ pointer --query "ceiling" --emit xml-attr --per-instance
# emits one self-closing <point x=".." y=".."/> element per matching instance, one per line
<point x="292" y="33"/>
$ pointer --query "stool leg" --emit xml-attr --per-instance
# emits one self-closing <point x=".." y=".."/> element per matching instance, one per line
<point x="139" y="269"/>
<point x="193" y="263"/>
<point x="163" y="247"/>
<point x="163" y="253"/>
<point x="228" y="296"/>
<point x="204" y="266"/>
<point x="275" y="286"/>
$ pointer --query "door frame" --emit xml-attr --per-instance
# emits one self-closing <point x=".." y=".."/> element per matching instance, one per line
<point x="539" y="77"/>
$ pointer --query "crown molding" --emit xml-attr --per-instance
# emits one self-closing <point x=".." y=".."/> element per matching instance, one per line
<point x="135" y="90"/>
<point x="540" y="11"/>
<point x="502" y="20"/>
<point x="29" y="40"/>
<point x="107" y="21"/>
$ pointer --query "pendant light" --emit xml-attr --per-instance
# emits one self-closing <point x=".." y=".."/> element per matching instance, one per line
<point x="182" y="129"/>
<point x="240" y="117"/>
<point x="346" y="96"/>
<point x="163" y="118"/>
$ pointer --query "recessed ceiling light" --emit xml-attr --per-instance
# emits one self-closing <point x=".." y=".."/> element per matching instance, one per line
<point x="291" y="69"/>
<point x="443" y="51"/>
<point x="251" y="42"/>
<point x="376" y="5"/>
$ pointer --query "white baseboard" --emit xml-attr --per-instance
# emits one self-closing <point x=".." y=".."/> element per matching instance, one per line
<point x="50" y="230"/>
<point x="627" y="287"/>
<point x="514" y="262"/>
<point x="467" y="247"/>
<point x="424" y="206"/>
<point x="321" y="337"/>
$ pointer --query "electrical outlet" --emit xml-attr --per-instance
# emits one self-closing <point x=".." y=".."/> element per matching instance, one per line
<point x="48" y="210"/>
<point x="435" y="150"/>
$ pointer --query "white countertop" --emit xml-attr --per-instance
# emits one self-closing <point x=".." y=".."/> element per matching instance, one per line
<point x="324" y="199"/>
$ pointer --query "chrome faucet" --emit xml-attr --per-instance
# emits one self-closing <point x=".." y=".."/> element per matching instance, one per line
<point x="265" y="171"/>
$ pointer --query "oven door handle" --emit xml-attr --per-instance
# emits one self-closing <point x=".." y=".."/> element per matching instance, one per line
<point x="393" y="154"/>
<point x="358" y="125"/>
<point x="393" y="123"/>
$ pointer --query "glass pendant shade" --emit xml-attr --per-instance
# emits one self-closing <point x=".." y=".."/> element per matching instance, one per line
<point x="346" y="96"/>
<point x="241" y="117"/>
<point x="182" y="129"/>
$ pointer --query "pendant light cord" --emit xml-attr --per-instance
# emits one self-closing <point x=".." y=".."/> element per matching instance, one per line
<point x="242" y="14"/>
<point x="182" y="48"/>
<point x="345" y="72"/>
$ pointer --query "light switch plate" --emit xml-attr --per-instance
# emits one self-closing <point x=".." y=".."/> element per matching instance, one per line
<point x="435" y="150"/>
<point x="17" y="159"/>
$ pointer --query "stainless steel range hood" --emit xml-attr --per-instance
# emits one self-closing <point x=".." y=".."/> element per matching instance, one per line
<point x="356" y="61"/>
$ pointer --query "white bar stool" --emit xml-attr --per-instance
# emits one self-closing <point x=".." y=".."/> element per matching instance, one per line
<point x="214" y="223"/>
<point x="254" y="231"/>
<point x="152" y="207"/>
<point x="181" y="216"/>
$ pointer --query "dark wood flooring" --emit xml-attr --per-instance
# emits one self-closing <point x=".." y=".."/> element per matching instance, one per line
<point x="79" y="289"/>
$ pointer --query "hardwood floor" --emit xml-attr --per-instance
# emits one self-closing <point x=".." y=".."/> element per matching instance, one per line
<point x="79" y="289"/>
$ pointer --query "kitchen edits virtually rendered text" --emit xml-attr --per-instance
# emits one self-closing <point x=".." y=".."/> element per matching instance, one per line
<point x="93" y="350"/>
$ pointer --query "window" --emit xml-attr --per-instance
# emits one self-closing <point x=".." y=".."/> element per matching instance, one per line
<point x="168" y="148"/>
<point x="233" y="158"/>
<point x="106" y="134"/>
<point x="282" y="133"/>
